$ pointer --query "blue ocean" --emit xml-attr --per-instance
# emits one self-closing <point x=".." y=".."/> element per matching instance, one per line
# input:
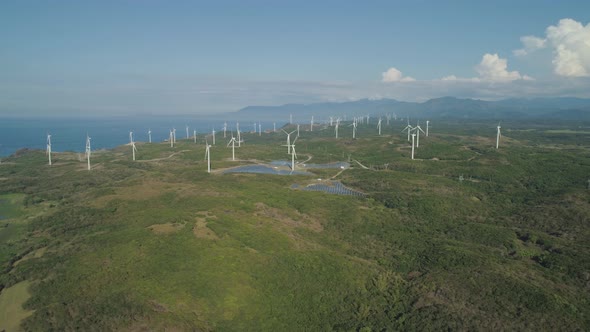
<point x="69" y="134"/>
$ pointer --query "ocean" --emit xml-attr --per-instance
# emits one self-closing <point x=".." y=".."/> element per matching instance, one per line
<point x="69" y="134"/>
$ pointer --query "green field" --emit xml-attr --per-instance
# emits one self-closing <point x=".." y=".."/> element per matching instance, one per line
<point x="160" y="244"/>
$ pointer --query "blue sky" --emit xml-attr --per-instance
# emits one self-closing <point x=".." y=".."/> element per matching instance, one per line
<point x="127" y="57"/>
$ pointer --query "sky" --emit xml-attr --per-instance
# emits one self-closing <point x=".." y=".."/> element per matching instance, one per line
<point x="203" y="57"/>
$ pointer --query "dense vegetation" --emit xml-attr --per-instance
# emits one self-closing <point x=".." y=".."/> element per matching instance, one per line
<point x="161" y="244"/>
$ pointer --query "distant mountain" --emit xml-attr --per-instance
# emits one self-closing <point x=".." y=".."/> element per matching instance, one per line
<point x="445" y="107"/>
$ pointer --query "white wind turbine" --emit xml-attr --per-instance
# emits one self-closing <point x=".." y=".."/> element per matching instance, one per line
<point x="353" y="125"/>
<point x="379" y="126"/>
<point x="88" y="150"/>
<point x="259" y="129"/>
<point x="213" y="133"/>
<point x="293" y="155"/>
<point x="427" y="123"/>
<point x="171" y="139"/>
<point x="239" y="135"/>
<point x="413" y="136"/>
<point x="208" y="156"/>
<point x="149" y="135"/>
<point x="195" y="136"/>
<point x="187" y="137"/>
<point x="498" y="136"/>
<point x="224" y="128"/>
<point x="274" y="127"/>
<point x="232" y="141"/>
<point x="408" y="128"/>
<point x="288" y="140"/>
<point x="331" y="121"/>
<point x="298" y="130"/>
<point x="290" y="118"/>
<point x="132" y="142"/>
<point x="49" y="148"/>
<point x="255" y="128"/>
<point x="174" y="135"/>
<point x="336" y="127"/>
<point x="311" y="126"/>
<point x="418" y="129"/>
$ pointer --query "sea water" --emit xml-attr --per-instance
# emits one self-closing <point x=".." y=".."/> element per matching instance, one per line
<point x="69" y="134"/>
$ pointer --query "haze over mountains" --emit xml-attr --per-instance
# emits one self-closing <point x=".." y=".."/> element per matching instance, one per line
<point x="445" y="107"/>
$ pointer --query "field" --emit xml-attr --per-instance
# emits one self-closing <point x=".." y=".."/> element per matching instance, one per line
<point x="465" y="237"/>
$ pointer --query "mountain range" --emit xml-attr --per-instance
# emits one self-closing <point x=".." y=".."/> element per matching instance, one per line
<point x="445" y="107"/>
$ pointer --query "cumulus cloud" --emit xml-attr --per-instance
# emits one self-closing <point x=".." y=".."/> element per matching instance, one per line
<point x="394" y="75"/>
<point x="495" y="69"/>
<point x="491" y="69"/>
<point x="530" y="44"/>
<point x="570" y="43"/>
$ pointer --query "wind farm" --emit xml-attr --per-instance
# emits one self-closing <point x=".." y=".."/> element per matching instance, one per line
<point x="436" y="174"/>
<point x="301" y="211"/>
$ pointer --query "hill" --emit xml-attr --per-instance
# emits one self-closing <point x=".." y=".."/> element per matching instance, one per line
<point x="464" y="237"/>
<point x="445" y="107"/>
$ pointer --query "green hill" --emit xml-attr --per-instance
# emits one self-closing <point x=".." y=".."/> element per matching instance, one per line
<point x="465" y="237"/>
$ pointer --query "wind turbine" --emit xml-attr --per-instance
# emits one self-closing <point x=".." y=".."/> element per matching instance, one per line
<point x="171" y="139"/>
<point x="413" y="136"/>
<point x="290" y="118"/>
<point x="195" y="136"/>
<point x="88" y="150"/>
<point x="187" y="137"/>
<point x="213" y="133"/>
<point x="498" y="136"/>
<point x="150" y="135"/>
<point x="353" y="128"/>
<point x="336" y="127"/>
<point x="132" y="142"/>
<point x="224" y="128"/>
<point x="408" y="128"/>
<point x="379" y="126"/>
<point x="232" y="141"/>
<point x="293" y="155"/>
<point x="49" y="148"/>
<point x="331" y="120"/>
<point x="134" y="149"/>
<point x="239" y="135"/>
<point x="259" y="129"/>
<point x="311" y="126"/>
<point x="208" y="156"/>
<point x="427" y="122"/>
<point x="418" y="129"/>
<point x="174" y="134"/>
<point x="288" y="140"/>
<point x="298" y="130"/>
<point x="274" y="127"/>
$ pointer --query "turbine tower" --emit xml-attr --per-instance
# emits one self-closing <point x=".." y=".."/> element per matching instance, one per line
<point x="49" y="148"/>
<point x="187" y="137"/>
<point x="208" y="156"/>
<point x="88" y="150"/>
<point x="293" y="155"/>
<point x="413" y="136"/>
<point x="213" y="133"/>
<point x="427" y="123"/>
<point x="224" y="128"/>
<point x="232" y="141"/>
<point x="171" y="139"/>
<point x="311" y="126"/>
<point x="379" y="126"/>
<point x="498" y="136"/>
<point x="195" y="136"/>
<point x="150" y="135"/>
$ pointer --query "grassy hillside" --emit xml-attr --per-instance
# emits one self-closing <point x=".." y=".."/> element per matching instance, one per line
<point x="161" y="244"/>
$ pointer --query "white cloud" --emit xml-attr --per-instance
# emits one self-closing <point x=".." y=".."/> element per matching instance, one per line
<point x="571" y="43"/>
<point x="495" y="69"/>
<point x="394" y="75"/>
<point x="531" y="44"/>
